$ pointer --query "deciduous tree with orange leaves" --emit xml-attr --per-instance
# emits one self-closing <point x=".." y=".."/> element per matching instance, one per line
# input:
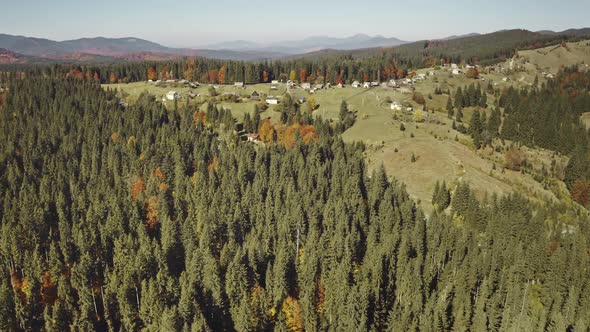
<point x="113" y="78"/>
<point x="303" y="75"/>
<point x="267" y="132"/>
<point x="221" y="75"/>
<point x="152" y="74"/>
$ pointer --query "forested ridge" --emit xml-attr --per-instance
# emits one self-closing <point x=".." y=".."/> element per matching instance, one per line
<point x="376" y="64"/>
<point x="143" y="218"/>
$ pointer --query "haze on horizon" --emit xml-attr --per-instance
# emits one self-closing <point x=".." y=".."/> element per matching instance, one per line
<point x="184" y="23"/>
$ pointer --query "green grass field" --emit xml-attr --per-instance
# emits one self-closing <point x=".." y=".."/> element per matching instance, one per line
<point x="442" y="153"/>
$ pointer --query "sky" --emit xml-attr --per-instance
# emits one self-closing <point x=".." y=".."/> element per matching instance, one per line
<point x="186" y="23"/>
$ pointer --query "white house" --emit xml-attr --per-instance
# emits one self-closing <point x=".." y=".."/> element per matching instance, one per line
<point x="306" y="86"/>
<point x="274" y="82"/>
<point x="392" y="83"/>
<point x="395" y="106"/>
<point x="454" y="66"/>
<point x="421" y="77"/>
<point x="319" y="86"/>
<point x="456" y="71"/>
<point x="272" y="100"/>
<point x="340" y="85"/>
<point x="356" y="84"/>
<point x="239" y="84"/>
<point x="431" y="73"/>
<point x="374" y="83"/>
<point x="366" y="85"/>
<point x="172" y="95"/>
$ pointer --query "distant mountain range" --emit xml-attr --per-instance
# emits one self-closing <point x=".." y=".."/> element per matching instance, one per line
<point x="310" y="44"/>
<point x="20" y="49"/>
<point x="114" y="49"/>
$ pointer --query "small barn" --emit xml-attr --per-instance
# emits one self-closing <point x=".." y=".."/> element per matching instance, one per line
<point x="255" y="96"/>
<point x="239" y="84"/>
<point x="272" y="100"/>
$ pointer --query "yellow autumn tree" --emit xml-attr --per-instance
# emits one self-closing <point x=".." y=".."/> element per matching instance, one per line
<point x="292" y="314"/>
<point x="293" y="75"/>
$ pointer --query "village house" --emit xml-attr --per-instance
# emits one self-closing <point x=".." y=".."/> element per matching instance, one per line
<point x="421" y="77"/>
<point x="456" y="71"/>
<point x="374" y="83"/>
<point x="395" y="106"/>
<point x="454" y="66"/>
<point x="239" y="84"/>
<point x="170" y="81"/>
<point x="431" y="73"/>
<point x="356" y="84"/>
<point x="172" y="95"/>
<point x="366" y="85"/>
<point x="391" y="83"/>
<point x="319" y="86"/>
<point x="183" y="81"/>
<point x="306" y="86"/>
<point x="194" y="85"/>
<point x="193" y="95"/>
<point x="150" y="81"/>
<point x="255" y="96"/>
<point x="340" y="85"/>
<point x="272" y="100"/>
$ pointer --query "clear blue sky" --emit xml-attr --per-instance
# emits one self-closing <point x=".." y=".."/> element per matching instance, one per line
<point x="193" y="23"/>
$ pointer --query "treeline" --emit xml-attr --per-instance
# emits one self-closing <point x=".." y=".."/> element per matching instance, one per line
<point x="328" y="67"/>
<point x="124" y="219"/>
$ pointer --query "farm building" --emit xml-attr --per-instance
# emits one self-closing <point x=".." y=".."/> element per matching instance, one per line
<point x="306" y="86"/>
<point x="255" y="96"/>
<point x="374" y="83"/>
<point x="239" y="84"/>
<point x="395" y="106"/>
<point x="319" y="86"/>
<point x="391" y="83"/>
<point x="170" y="81"/>
<point x="274" y="82"/>
<point x="456" y="71"/>
<point x="194" y="85"/>
<point x="356" y="84"/>
<point x="193" y="95"/>
<point x="172" y="95"/>
<point x="340" y="85"/>
<point x="366" y="85"/>
<point x="272" y="100"/>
